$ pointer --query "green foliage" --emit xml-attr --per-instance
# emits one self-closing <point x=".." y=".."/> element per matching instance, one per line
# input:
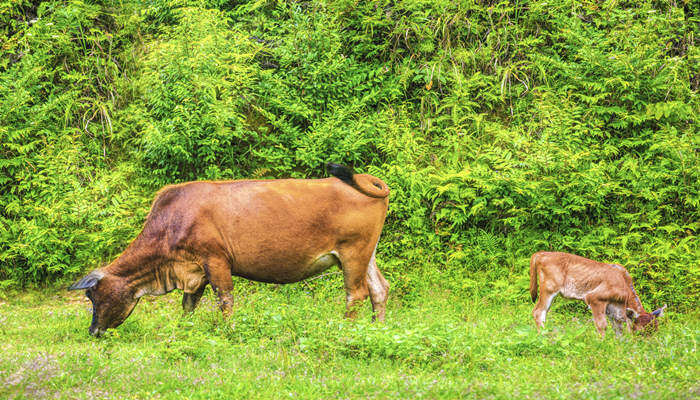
<point x="502" y="128"/>
<point x="58" y="158"/>
<point x="195" y="83"/>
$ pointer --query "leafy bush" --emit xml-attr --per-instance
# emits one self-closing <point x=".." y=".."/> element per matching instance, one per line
<point x="502" y="128"/>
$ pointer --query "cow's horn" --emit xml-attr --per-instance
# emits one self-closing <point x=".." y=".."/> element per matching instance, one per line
<point x="88" y="281"/>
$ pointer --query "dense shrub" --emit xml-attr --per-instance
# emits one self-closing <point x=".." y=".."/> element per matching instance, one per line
<point x="502" y="128"/>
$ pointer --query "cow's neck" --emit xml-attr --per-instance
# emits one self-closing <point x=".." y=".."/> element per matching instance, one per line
<point x="152" y="278"/>
<point x="633" y="301"/>
<point x="161" y="280"/>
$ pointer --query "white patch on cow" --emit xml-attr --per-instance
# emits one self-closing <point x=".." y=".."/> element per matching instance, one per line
<point x="550" y="299"/>
<point x="571" y="291"/>
<point x="542" y="314"/>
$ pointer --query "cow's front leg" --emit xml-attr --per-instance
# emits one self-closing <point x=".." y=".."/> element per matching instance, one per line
<point x="616" y="313"/>
<point x="598" y="309"/>
<point x="190" y="300"/>
<point x="219" y="275"/>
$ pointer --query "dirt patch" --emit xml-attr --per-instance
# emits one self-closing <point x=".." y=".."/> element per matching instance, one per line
<point x="31" y="379"/>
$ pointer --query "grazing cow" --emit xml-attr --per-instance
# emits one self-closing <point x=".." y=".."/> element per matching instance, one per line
<point x="606" y="288"/>
<point x="277" y="231"/>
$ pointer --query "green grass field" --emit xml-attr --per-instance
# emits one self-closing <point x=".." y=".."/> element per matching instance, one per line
<point x="293" y="342"/>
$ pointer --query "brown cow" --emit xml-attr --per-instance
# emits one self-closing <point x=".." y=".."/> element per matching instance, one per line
<point x="277" y="231"/>
<point x="606" y="288"/>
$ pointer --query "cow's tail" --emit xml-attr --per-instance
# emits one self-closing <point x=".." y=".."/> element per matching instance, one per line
<point x="367" y="184"/>
<point x="533" y="277"/>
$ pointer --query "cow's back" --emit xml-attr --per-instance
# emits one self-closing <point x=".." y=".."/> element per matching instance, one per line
<point x="578" y="276"/>
<point x="267" y="229"/>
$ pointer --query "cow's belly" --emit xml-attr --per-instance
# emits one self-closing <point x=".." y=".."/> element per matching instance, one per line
<point x="571" y="291"/>
<point x="285" y="270"/>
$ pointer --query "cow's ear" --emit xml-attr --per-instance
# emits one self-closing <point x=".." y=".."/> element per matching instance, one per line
<point x="88" y="281"/>
<point x="631" y="314"/>
<point x="659" y="312"/>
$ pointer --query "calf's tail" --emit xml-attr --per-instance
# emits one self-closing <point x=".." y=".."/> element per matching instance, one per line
<point x="533" y="277"/>
<point x="367" y="184"/>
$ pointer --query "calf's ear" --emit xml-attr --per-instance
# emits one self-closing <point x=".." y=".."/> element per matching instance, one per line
<point x="659" y="312"/>
<point x="631" y="314"/>
<point x="87" y="281"/>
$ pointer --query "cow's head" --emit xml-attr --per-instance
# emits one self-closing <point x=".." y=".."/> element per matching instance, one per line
<point x="645" y="321"/>
<point x="112" y="300"/>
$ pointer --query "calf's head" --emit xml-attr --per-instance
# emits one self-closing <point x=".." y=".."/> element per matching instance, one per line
<point x="112" y="300"/>
<point x="645" y="321"/>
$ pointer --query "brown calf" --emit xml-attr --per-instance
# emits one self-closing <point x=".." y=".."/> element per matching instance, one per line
<point x="606" y="288"/>
<point x="277" y="231"/>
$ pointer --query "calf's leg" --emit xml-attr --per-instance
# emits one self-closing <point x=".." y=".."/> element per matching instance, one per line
<point x="598" y="309"/>
<point x="617" y="324"/>
<point x="617" y="316"/>
<point x="542" y="306"/>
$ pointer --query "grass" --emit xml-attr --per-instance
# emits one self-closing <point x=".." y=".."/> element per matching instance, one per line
<point x="292" y="342"/>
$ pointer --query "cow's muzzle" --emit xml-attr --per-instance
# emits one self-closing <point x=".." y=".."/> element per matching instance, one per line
<point x="96" y="332"/>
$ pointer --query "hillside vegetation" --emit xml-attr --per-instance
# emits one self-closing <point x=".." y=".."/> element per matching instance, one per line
<point x="502" y="128"/>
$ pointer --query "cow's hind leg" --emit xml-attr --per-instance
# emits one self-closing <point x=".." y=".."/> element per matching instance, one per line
<point x="355" y="278"/>
<point x="378" y="289"/>
<point x="218" y="273"/>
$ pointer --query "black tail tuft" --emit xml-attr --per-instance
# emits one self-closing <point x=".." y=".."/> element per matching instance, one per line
<point x="341" y="172"/>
